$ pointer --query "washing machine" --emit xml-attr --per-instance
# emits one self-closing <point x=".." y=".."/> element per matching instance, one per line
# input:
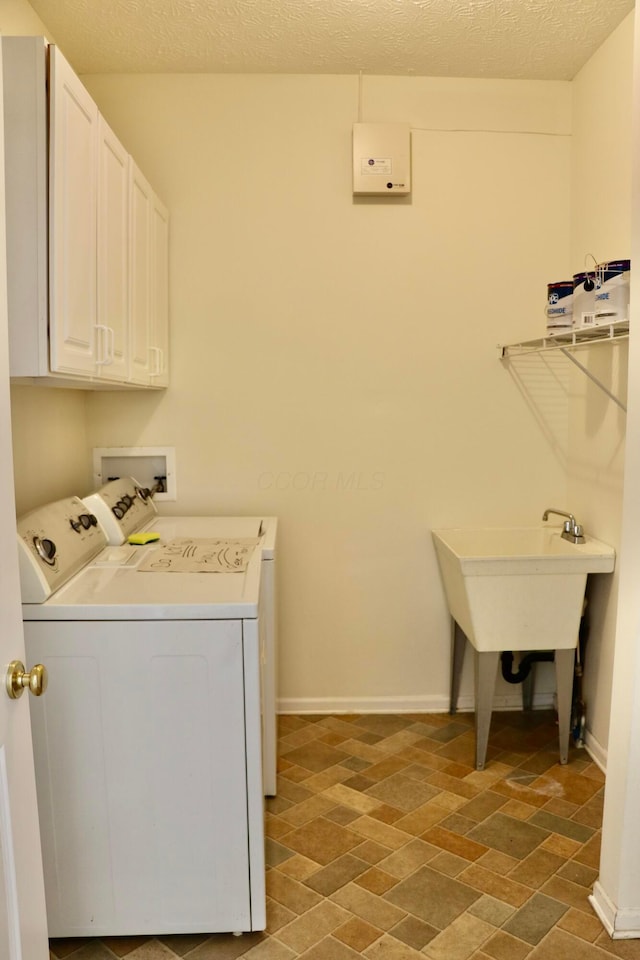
<point x="147" y="742"/>
<point x="124" y="508"/>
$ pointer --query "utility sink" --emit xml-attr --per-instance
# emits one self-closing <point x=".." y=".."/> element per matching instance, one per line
<point x="518" y="588"/>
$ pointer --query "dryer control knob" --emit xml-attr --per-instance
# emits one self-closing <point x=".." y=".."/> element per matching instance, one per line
<point x="46" y="549"/>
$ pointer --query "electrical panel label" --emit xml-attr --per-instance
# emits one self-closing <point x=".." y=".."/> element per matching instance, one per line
<point x="380" y="167"/>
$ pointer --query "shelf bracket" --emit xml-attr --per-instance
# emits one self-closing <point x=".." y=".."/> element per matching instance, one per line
<point x="567" y="353"/>
<point x="567" y="342"/>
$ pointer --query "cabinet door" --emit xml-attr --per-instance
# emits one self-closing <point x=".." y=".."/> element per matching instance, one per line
<point x="140" y="200"/>
<point x="159" y="289"/>
<point x="112" y="331"/>
<point x="26" y="170"/>
<point x="72" y="246"/>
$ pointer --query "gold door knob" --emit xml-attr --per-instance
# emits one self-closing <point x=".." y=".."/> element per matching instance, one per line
<point x="18" y="680"/>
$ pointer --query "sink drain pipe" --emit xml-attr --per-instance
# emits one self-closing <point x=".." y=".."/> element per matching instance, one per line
<point x="524" y="667"/>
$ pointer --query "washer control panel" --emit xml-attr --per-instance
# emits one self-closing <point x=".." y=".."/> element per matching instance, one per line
<point x="122" y="506"/>
<point x="54" y="542"/>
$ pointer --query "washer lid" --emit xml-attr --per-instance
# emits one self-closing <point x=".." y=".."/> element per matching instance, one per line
<point x="112" y="590"/>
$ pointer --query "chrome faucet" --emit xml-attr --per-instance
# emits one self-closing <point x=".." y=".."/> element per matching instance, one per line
<point x="572" y="531"/>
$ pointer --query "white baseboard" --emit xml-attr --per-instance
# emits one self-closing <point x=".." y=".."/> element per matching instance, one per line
<point x="416" y="704"/>
<point x="619" y="924"/>
<point x="596" y="751"/>
<point x="603" y="907"/>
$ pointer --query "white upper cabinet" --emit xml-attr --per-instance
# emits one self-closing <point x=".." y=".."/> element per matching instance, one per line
<point x="159" y="286"/>
<point x="112" y="327"/>
<point x="140" y="198"/>
<point x="99" y="315"/>
<point x="149" y="246"/>
<point x="73" y="216"/>
<point x="26" y="170"/>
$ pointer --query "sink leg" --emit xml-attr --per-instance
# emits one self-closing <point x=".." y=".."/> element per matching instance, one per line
<point x="565" y="663"/>
<point x="486" y="669"/>
<point x="527" y="689"/>
<point x="459" y="644"/>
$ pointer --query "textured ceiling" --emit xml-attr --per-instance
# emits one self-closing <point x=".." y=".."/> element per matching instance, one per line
<point x="523" y="39"/>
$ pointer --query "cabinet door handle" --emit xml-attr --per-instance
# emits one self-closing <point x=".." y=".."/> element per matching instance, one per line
<point x="103" y="359"/>
<point x="156" y="367"/>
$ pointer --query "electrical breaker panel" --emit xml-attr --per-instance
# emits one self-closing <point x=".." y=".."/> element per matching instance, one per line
<point x="381" y="159"/>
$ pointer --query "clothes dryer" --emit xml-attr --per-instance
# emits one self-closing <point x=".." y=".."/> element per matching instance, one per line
<point x="124" y="507"/>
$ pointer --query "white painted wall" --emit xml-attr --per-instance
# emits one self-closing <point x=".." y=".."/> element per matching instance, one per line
<point x="334" y="362"/>
<point x="18" y="18"/>
<point x="600" y="225"/>
<point x="51" y="449"/>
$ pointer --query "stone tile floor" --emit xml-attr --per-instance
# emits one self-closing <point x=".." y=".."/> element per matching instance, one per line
<point x="385" y="843"/>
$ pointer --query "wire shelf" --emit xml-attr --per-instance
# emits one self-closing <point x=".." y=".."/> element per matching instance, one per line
<point x="607" y="333"/>
<point x="566" y="343"/>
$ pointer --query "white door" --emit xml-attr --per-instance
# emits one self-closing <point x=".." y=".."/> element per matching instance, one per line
<point x="23" y="925"/>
